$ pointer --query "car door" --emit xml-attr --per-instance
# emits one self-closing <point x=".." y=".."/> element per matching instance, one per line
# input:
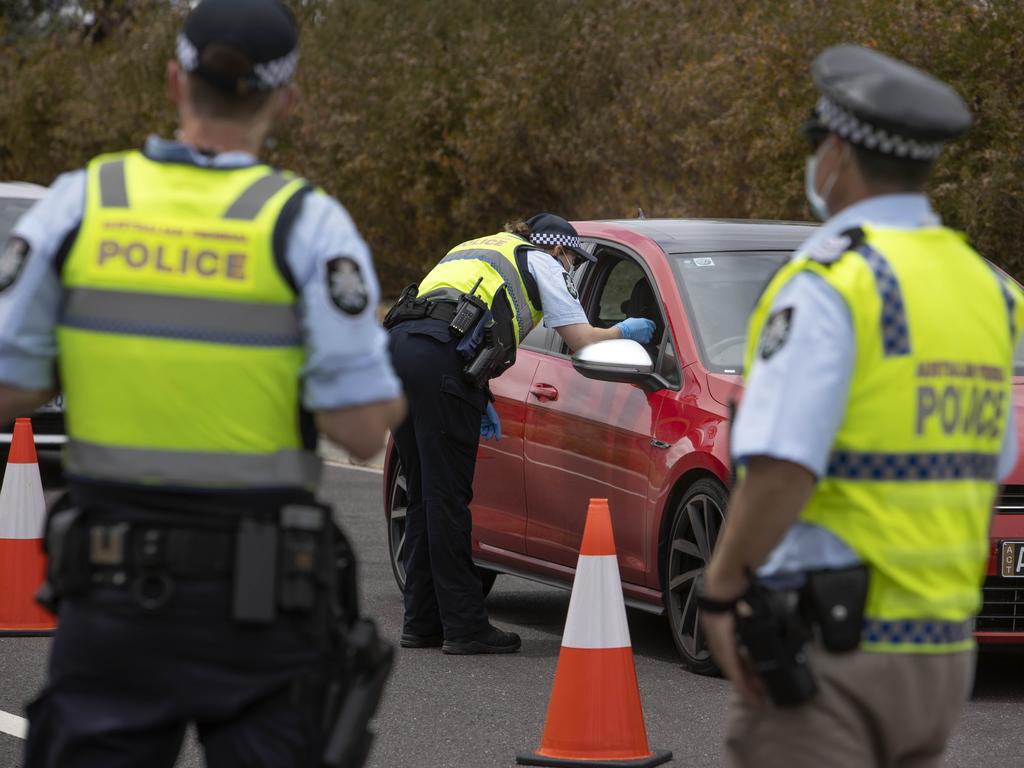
<point x="590" y="439"/>
<point x="499" y="499"/>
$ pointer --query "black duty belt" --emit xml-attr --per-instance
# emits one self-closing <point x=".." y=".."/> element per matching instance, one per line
<point x="183" y="552"/>
<point x="422" y="309"/>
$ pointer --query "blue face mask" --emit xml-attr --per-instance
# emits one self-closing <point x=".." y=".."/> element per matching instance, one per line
<point x="819" y="208"/>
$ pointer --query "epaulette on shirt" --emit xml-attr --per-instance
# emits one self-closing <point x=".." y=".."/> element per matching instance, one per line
<point x="829" y="250"/>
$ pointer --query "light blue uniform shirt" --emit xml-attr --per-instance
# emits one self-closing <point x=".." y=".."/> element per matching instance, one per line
<point x="347" y="362"/>
<point x="794" y="402"/>
<point x="560" y="306"/>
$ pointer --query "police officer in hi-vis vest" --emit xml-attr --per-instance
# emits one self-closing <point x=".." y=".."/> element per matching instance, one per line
<point x="874" y="427"/>
<point x="449" y="336"/>
<point x="208" y="315"/>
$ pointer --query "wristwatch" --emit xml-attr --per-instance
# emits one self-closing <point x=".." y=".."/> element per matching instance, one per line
<point x="712" y="604"/>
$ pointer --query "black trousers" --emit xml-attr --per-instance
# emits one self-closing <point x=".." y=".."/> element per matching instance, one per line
<point x="124" y="682"/>
<point x="437" y="444"/>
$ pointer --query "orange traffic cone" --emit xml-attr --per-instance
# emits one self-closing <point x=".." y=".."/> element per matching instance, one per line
<point x="594" y="716"/>
<point x="22" y="517"/>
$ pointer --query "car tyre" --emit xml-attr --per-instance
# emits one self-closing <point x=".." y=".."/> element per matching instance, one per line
<point x="695" y="525"/>
<point x="398" y="502"/>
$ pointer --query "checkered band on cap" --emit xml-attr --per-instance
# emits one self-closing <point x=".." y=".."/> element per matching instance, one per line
<point x="266" y="76"/>
<point x="842" y="122"/>
<point x="274" y="74"/>
<point x="188" y="56"/>
<point x="551" y="238"/>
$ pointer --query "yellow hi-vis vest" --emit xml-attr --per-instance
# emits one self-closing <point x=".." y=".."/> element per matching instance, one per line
<point x="494" y="258"/>
<point x="179" y="343"/>
<point x="912" y="474"/>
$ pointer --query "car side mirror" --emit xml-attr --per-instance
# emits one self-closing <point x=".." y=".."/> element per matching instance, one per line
<point x="619" y="360"/>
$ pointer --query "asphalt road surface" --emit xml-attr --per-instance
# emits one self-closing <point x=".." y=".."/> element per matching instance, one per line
<point x="478" y="711"/>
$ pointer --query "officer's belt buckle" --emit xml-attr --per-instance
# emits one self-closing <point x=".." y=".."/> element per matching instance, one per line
<point x="106" y="544"/>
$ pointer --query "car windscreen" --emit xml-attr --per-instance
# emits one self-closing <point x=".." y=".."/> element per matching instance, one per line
<point x="720" y="290"/>
<point x="11" y="209"/>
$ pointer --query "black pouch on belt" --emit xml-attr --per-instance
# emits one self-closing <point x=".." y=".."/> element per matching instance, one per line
<point x="834" y="600"/>
<point x="304" y="556"/>
<point x="401" y="308"/>
<point x="255" y="583"/>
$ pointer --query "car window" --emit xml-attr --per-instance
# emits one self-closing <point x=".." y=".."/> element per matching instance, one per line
<point x="667" y="365"/>
<point x="624" y="290"/>
<point x="538" y="339"/>
<point x="11" y="209"/>
<point x="613" y="300"/>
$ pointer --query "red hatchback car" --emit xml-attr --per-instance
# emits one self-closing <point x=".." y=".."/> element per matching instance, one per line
<point x="653" y="442"/>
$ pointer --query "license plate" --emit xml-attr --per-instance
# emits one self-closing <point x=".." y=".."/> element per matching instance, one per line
<point x="1011" y="559"/>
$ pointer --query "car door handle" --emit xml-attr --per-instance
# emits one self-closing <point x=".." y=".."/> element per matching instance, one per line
<point x="544" y="392"/>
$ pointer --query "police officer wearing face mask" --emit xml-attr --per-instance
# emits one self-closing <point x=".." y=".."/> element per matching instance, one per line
<point x="208" y="314"/>
<point x="876" y="422"/>
<point x="449" y="336"/>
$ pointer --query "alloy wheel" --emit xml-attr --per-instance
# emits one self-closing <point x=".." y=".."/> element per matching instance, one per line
<point x="695" y="527"/>
<point x="398" y="504"/>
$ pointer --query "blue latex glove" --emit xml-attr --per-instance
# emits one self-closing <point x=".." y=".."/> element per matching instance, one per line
<point x="490" y="424"/>
<point x="637" y="329"/>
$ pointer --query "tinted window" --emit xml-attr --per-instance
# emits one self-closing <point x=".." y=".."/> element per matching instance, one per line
<point x="11" y="209"/>
<point x="720" y="290"/>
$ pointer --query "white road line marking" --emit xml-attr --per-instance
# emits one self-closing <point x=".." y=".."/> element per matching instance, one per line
<point x="343" y="465"/>
<point x="13" y="725"/>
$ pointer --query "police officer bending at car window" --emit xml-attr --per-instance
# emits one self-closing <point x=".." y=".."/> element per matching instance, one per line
<point x="875" y="424"/>
<point x="208" y="315"/>
<point x="449" y="337"/>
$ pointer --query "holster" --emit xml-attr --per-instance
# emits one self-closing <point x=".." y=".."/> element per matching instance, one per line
<point x="773" y="634"/>
<point x="496" y="347"/>
<point x="361" y="664"/>
<point x="64" y="542"/>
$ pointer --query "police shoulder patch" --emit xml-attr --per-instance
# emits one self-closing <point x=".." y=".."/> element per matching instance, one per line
<point x="830" y="249"/>
<point x="346" y="285"/>
<point x="12" y="261"/>
<point x="776" y="332"/>
<point x="570" y="286"/>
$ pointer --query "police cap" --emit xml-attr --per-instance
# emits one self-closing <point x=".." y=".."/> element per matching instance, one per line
<point x="884" y="105"/>
<point x="261" y="34"/>
<point x="549" y="229"/>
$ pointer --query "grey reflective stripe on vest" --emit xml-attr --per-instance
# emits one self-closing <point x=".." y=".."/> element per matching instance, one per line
<point x="219" y="321"/>
<point x="249" y="204"/>
<point x="895" y="328"/>
<point x="509" y="273"/>
<point x="916" y="631"/>
<point x="193" y="469"/>
<point x="113" y="187"/>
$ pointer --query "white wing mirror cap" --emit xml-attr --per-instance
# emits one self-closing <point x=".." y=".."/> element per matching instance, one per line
<point x="615" y="354"/>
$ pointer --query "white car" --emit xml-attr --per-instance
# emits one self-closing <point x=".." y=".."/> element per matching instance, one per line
<point x="48" y="422"/>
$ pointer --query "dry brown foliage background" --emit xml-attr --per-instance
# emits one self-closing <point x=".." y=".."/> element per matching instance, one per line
<point x="437" y="120"/>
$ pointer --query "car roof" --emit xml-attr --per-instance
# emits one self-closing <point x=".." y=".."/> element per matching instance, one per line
<point x="21" y="189"/>
<point x="704" y="235"/>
